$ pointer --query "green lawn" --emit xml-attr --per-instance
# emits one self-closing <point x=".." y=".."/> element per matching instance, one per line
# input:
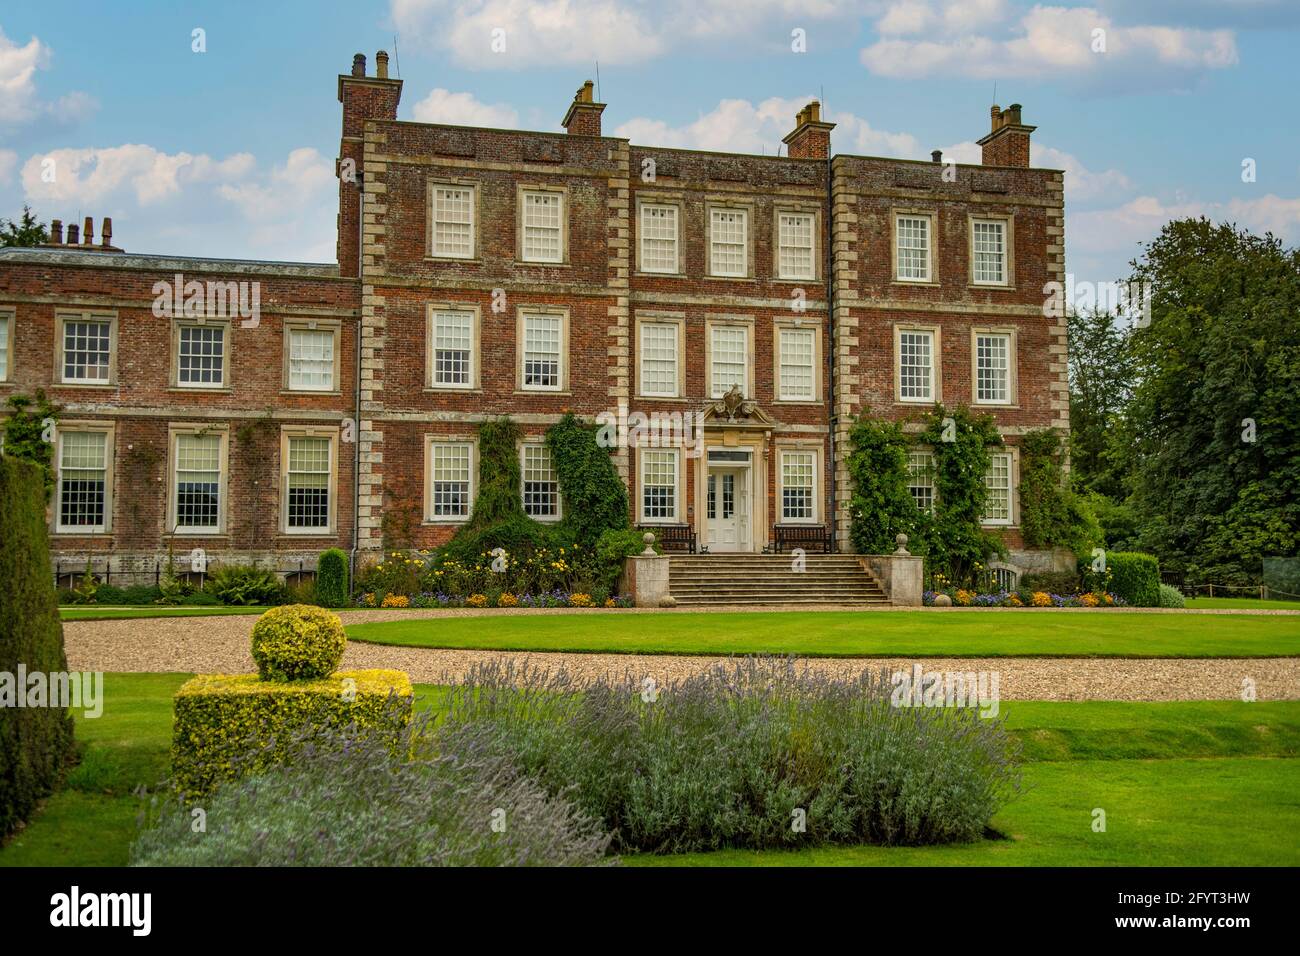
<point x="1240" y="603"/>
<point x="77" y="612"/>
<point x="854" y="634"/>
<point x="1200" y="783"/>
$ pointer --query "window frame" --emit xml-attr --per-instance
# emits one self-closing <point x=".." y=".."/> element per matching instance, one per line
<point x="1008" y="249"/>
<point x="62" y="318"/>
<point x="287" y="433"/>
<point x="679" y="487"/>
<point x="792" y="210"/>
<point x="539" y="442"/>
<point x="174" y="434"/>
<point x="1012" y="399"/>
<point x="927" y="452"/>
<point x="7" y="340"/>
<point x="471" y="441"/>
<point x="178" y="325"/>
<point x="522" y="190"/>
<point x="109" y="430"/>
<point x="747" y="247"/>
<point x="799" y="448"/>
<point x="312" y="325"/>
<point x="779" y="327"/>
<point x="675" y="203"/>
<point x="932" y="232"/>
<point x="678" y="321"/>
<point x="715" y="322"/>
<point x="562" y="379"/>
<point x="936" y="364"/>
<point x="431" y="251"/>
<point x="1012" y="519"/>
<point x="476" y="342"/>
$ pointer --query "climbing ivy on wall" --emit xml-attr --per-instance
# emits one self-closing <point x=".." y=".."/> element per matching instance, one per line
<point x="595" y="498"/>
<point x="24" y="432"/>
<point x="960" y="443"/>
<point x="950" y="538"/>
<point x="1051" y="514"/>
<point x="881" y="506"/>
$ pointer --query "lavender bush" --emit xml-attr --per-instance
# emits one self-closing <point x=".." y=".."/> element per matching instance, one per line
<point x="734" y="756"/>
<point x="347" y="799"/>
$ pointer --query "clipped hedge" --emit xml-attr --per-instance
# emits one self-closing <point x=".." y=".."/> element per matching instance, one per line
<point x="230" y="726"/>
<point x="332" y="578"/>
<point x="298" y="642"/>
<point x="35" y="742"/>
<point x="1135" y="577"/>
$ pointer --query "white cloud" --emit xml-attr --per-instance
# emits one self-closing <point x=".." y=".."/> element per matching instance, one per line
<point x="1123" y="227"/>
<point x="910" y="17"/>
<point x="1045" y="42"/>
<point x="93" y="174"/>
<point x="20" y="101"/>
<point x="463" y="109"/>
<point x="195" y="204"/>
<point x="1081" y="183"/>
<point x="550" y="32"/>
<point x="742" y="126"/>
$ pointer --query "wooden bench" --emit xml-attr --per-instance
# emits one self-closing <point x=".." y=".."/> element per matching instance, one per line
<point x="672" y="537"/>
<point x="810" y="537"/>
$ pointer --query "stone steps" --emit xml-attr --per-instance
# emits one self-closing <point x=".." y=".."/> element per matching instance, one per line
<point x="771" y="579"/>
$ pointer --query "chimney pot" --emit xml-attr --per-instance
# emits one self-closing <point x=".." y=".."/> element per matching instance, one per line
<point x="936" y="155"/>
<point x="88" y="232"/>
<point x="814" y="112"/>
<point x="73" y="234"/>
<point x="359" y="64"/>
<point x="381" y="64"/>
<point x="106" y="232"/>
<point x="1007" y="143"/>
<point x="56" y="232"/>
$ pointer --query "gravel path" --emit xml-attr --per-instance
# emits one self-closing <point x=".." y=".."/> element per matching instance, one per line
<point x="220" y="645"/>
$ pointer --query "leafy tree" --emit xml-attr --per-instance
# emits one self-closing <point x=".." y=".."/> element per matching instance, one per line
<point x="1211" y="439"/>
<point x="1101" y="376"/>
<point x="25" y="231"/>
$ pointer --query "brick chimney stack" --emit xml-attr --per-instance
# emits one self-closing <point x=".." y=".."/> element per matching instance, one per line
<point x="74" y="234"/>
<point x="811" y="138"/>
<point x="1007" y="144"/>
<point x="364" y="98"/>
<point x="56" y="232"/>
<point x="583" y="117"/>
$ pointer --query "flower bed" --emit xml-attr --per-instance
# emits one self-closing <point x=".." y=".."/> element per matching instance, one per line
<point x="507" y="599"/>
<point x="961" y="597"/>
<point x="565" y="577"/>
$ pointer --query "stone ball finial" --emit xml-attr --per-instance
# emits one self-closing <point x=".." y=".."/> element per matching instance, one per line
<point x="901" y="541"/>
<point x="649" y="540"/>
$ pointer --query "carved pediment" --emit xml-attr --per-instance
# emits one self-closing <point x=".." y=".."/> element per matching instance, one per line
<point x="734" y="410"/>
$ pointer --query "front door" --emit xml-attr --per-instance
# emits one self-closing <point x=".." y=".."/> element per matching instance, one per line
<point x="728" y="508"/>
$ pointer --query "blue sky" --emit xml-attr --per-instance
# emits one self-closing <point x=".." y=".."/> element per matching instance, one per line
<point x="229" y="152"/>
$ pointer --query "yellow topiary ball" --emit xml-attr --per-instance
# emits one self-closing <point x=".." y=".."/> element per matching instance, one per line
<point x="298" y="642"/>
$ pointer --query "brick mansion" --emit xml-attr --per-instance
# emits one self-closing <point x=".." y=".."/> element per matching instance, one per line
<point x="487" y="272"/>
